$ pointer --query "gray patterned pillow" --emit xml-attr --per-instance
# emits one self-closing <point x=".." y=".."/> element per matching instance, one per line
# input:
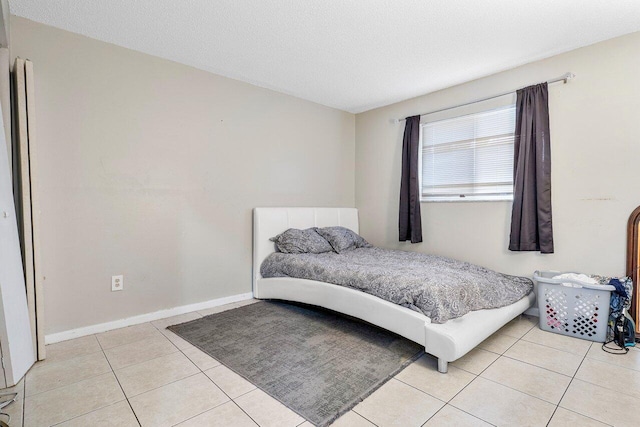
<point x="342" y="239"/>
<point x="295" y="241"/>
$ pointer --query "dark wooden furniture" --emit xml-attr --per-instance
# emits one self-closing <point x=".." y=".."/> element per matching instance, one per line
<point x="633" y="263"/>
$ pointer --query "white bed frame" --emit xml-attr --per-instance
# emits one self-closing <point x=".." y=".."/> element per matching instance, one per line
<point x="448" y="341"/>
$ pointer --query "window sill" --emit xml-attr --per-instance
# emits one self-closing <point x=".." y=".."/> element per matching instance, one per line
<point x="467" y="200"/>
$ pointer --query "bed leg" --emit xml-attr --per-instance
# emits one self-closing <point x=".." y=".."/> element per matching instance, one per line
<point x="442" y="366"/>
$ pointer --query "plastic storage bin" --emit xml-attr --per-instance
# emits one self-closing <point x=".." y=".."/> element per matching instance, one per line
<point x="573" y="308"/>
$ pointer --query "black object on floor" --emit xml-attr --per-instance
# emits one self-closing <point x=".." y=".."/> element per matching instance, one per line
<point x="316" y="362"/>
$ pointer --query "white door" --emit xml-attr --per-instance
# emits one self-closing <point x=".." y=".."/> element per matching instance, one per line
<point x="15" y="329"/>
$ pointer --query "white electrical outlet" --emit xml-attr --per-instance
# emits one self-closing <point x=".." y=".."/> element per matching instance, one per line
<point x="117" y="283"/>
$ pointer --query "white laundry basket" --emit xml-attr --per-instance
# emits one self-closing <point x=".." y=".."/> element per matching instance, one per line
<point x="571" y="307"/>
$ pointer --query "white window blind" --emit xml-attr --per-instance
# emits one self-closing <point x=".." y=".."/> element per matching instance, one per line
<point x="469" y="157"/>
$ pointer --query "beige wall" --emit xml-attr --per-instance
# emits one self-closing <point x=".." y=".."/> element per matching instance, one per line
<point x="595" y="147"/>
<point x="150" y="169"/>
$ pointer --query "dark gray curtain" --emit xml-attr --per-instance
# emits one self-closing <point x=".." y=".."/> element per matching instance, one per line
<point x="531" y="228"/>
<point x="410" y="223"/>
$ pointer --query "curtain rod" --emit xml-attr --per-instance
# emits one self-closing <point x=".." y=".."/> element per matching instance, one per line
<point x="563" y="78"/>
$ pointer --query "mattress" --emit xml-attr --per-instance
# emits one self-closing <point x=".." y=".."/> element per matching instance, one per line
<point x="441" y="288"/>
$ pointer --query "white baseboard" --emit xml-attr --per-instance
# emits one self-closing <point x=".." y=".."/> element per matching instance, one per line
<point x="143" y="318"/>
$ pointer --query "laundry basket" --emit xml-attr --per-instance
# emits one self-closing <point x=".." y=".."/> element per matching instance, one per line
<point x="571" y="307"/>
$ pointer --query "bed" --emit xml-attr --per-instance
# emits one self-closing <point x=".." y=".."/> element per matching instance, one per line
<point x="447" y="341"/>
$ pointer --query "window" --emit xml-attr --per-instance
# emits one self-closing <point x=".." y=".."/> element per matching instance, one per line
<point x="468" y="157"/>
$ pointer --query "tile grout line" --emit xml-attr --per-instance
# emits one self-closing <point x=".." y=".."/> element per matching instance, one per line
<point x="102" y="351"/>
<point x="513" y="336"/>
<point x="537" y="325"/>
<point x="524" y="392"/>
<point x="149" y="359"/>
<point x="127" y="343"/>
<point x="522" y="338"/>
<point x="609" y="363"/>
<point x="257" y="388"/>
<point x="587" y="381"/>
<point x="136" y="342"/>
<point x="223" y="392"/>
<point x="475" y="377"/>
<point x="90" y="412"/>
<point x="584" y="357"/>
<point x="499" y="356"/>
<point x="156" y="388"/>
<point x="242" y="409"/>
<point x="173" y="382"/>
<point x="211" y="409"/>
<point x="109" y="363"/>
<point x="97" y="409"/>
<point x="246" y="392"/>
<point x="444" y="401"/>
<point x="478" y="376"/>
<point x="127" y="398"/>
<point x="421" y="391"/>
<point x="213" y="382"/>
<point x="585" y="416"/>
<point x="558" y="404"/>
<point x="223" y="403"/>
<point x="119" y="385"/>
<point x="179" y="350"/>
<point x="71" y="383"/>
<point x="457" y="409"/>
<point x="569" y="385"/>
<point x="360" y="415"/>
<point x="541" y="367"/>
<point x="461" y="410"/>
<point x="220" y="364"/>
<point x="555" y="348"/>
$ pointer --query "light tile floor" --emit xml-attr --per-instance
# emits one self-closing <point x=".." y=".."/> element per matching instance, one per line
<point x="144" y="375"/>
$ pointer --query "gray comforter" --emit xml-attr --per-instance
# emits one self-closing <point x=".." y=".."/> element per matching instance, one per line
<point x="439" y="287"/>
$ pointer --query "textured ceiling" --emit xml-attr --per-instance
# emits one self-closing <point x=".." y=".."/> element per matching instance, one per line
<point x="354" y="55"/>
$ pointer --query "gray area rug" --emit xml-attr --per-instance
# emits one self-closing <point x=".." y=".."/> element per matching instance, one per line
<point x="316" y="362"/>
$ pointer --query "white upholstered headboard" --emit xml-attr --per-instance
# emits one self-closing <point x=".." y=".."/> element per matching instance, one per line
<point x="269" y="222"/>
